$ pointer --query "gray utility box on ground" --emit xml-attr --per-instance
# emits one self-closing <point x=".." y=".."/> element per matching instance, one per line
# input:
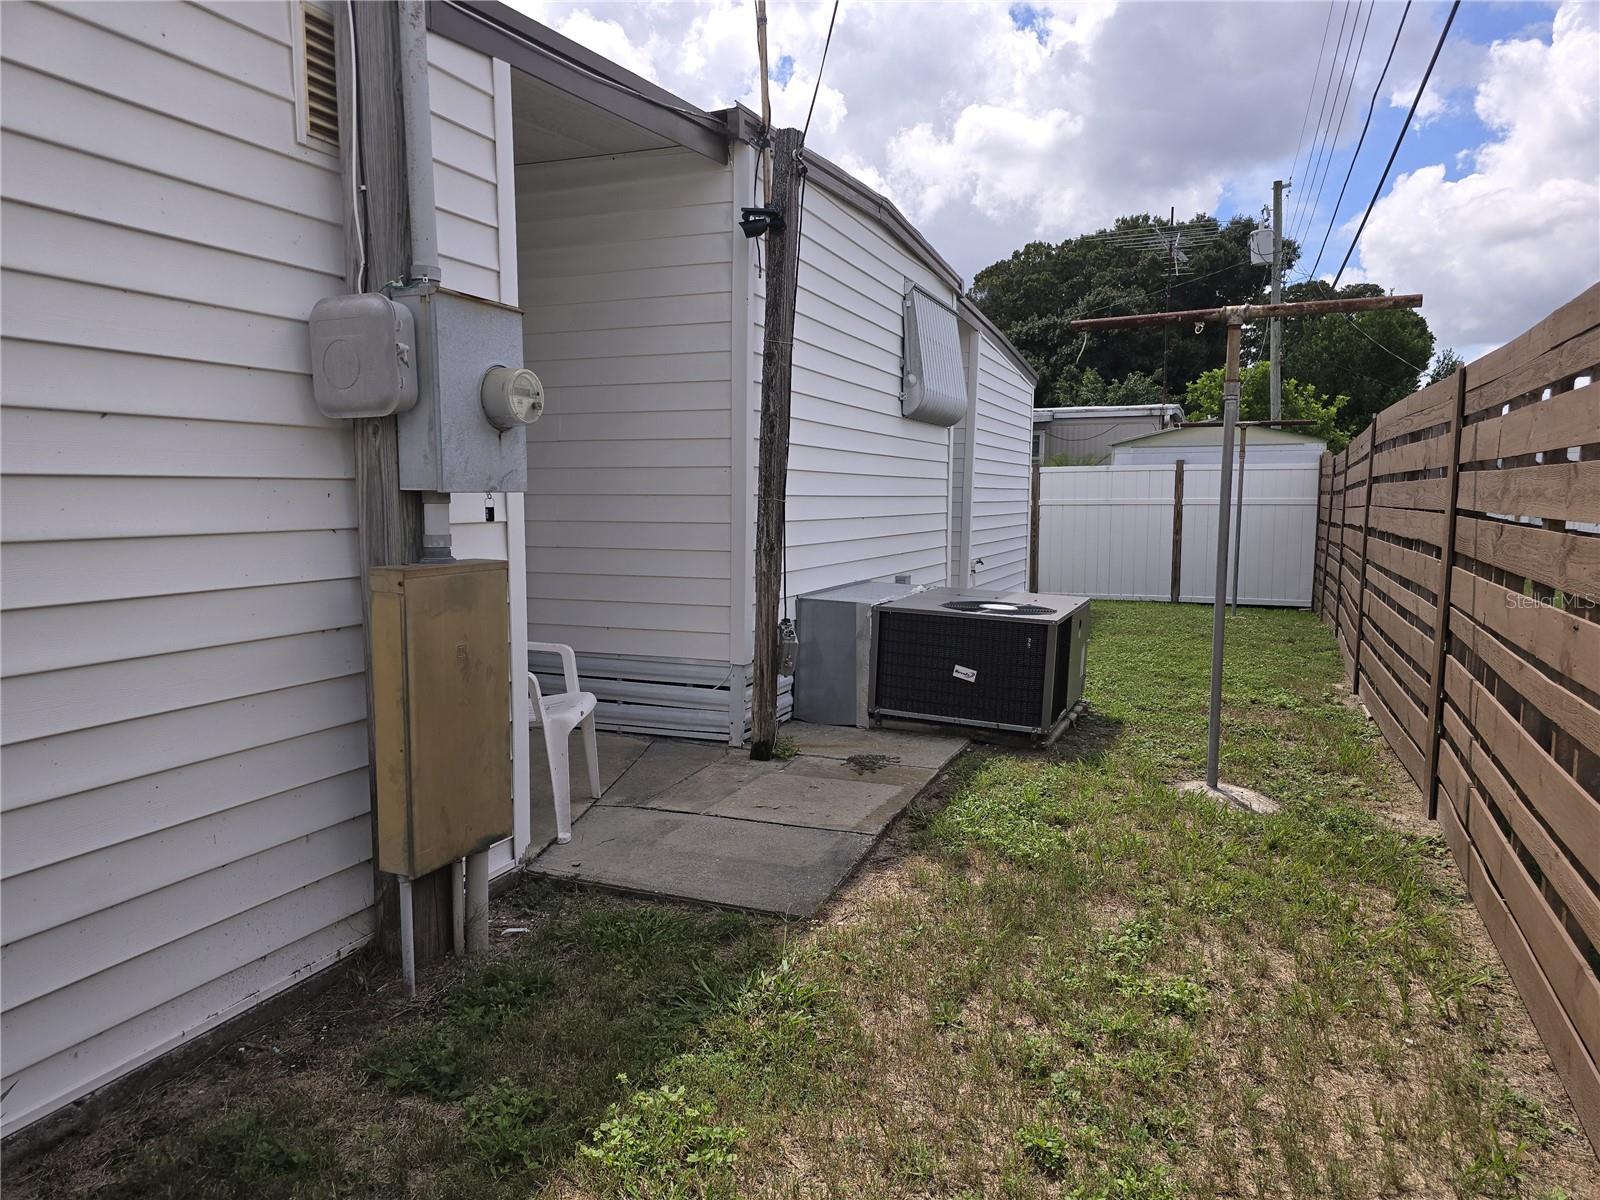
<point x="833" y="669"/>
<point x="447" y="442"/>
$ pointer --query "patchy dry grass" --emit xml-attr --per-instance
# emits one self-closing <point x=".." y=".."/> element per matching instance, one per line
<point x="1059" y="978"/>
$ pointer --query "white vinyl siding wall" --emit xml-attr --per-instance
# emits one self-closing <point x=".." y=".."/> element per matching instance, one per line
<point x="469" y="96"/>
<point x="869" y="490"/>
<point x="1002" y="464"/>
<point x="185" y="809"/>
<point x="626" y="274"/>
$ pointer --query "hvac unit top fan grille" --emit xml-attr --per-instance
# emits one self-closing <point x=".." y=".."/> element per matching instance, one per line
<point x="999" y="607"/>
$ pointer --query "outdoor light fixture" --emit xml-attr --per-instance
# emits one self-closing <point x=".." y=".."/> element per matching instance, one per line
<point x="756" y="221"/>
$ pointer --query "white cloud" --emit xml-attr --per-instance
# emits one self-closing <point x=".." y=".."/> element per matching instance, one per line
<point x="990" y="135"/>
<point x="1494" y="250"/>
<point x="1095" y="110"/>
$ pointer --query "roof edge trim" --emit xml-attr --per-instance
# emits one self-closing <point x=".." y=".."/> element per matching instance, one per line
<point x="745" y="126"/>
<point x="969" y="309"/>
<point x="501" y="32"/>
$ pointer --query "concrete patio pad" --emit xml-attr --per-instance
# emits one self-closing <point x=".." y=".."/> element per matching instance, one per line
<point x="700" y="821"/>
<point x="720" y="860"/>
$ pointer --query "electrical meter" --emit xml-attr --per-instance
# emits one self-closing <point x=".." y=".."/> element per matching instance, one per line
<point x="511" y="396"/>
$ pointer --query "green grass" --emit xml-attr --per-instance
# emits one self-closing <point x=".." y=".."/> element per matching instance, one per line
<point x="1075" y="981"/>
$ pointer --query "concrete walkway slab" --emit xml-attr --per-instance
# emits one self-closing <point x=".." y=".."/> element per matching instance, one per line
<point x="700" y="821"/>
<point x="719" y="860"/>
<point x="909" y="749"/>
<point x="714" y="783"/>
<point x="666" y="762"/>
<point x="617" y="753"/>
<point x="815" y="802"/>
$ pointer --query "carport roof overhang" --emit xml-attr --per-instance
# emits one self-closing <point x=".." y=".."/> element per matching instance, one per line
<point x="569" y="102"/>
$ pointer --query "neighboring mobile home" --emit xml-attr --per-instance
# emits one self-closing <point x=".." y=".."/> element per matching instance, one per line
<point x="185" y="827"/>
<point x="1082" y="435"/>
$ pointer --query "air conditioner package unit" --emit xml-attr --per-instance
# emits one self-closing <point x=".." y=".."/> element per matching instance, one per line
<point x="1010" y="661"/>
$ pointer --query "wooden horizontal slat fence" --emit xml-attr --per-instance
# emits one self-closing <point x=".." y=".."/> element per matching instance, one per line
<point x="1458" y="564"/>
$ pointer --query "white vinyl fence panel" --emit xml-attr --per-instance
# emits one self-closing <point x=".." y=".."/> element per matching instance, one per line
<point x="1107" y="532"/>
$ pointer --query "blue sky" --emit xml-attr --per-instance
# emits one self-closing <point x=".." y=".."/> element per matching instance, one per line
<point x="1440" y="140"/>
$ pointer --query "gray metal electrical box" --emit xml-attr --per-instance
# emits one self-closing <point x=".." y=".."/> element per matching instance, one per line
<point x="447" y="442"/>
<point x="832" y="675"/>
<point x="363" y="356"/>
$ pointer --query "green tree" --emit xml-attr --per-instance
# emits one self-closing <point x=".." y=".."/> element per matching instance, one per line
<point x="1446" y="365"/>
<point x="1035" y="294"/>
<point x="1079" y="387"/>
<point x="1373" y="358"/>
<point x="1301" y="402"/>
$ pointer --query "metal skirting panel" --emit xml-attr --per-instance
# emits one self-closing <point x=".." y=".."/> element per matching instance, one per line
<point x="664" y="697"/>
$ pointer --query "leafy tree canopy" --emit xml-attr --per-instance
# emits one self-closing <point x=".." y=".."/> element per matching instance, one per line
<point x="1446" y="365"/>
<point x="1034" y="294"/>
<point x="1137" y="388"/>
<point x="1371" y="359"/>
<point x="1374" y="358"/>
<point x="1202" y="401"/>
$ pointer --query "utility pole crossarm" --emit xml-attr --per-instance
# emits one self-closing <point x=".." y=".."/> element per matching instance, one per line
<point x="1241" y="313"/>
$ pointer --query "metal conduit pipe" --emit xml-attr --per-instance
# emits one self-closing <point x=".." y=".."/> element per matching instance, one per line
<point x="417" y="118"/>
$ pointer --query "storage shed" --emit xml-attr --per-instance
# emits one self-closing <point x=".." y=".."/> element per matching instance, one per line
<point x="1202" y="444"/>
<point x="185" y="815"/>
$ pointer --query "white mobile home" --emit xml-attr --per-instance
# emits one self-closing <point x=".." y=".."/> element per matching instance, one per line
<point x="185" y="824"/>
<point x="643" y="310"/>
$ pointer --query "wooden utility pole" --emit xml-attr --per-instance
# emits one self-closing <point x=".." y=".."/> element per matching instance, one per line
<point x="388" y="520"/>
<point x="777" y="369"/>
<point x="1235" y="315"/>
<point x="765" y="149"/>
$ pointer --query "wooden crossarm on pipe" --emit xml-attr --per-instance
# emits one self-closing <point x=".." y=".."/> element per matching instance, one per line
<point x="1253" y="312"/>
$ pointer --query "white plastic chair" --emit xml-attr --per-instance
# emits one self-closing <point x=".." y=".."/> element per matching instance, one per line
<point x="559" y="716"/>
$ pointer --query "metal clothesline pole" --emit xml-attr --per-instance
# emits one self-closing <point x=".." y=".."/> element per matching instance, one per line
<point x="1236" y="315"/>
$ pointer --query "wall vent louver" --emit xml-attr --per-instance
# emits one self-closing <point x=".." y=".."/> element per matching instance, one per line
<point x="321" y="76"/>
<point x="934" y="387"/>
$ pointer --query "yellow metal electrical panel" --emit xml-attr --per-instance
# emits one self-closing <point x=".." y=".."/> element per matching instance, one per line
<point x="441" y="712"/>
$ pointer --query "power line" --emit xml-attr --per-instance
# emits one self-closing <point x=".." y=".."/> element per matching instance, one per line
<point x="817" y="87"/>
<point x="1379" y="344"/>
<point x="1313" y="153"/>
<point x="1361" y="141"/>
<point x="1329" y="134"/>
<point x="1393" y="154"/>
<point x="1344" y="108"/>
<point x="1311" y="92"/>
<point x="1233" y="266"/>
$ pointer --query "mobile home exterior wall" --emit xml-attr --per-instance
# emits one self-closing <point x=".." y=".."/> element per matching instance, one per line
<point x="185" y="794"/>
<point x="1002" y="456"/>
<point x="868" y="489"/>
<point x="627" y="261"/>
<point x="185" y="827"/>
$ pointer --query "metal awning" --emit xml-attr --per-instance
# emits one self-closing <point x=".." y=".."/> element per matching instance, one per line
<point x="569" y="102"/>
